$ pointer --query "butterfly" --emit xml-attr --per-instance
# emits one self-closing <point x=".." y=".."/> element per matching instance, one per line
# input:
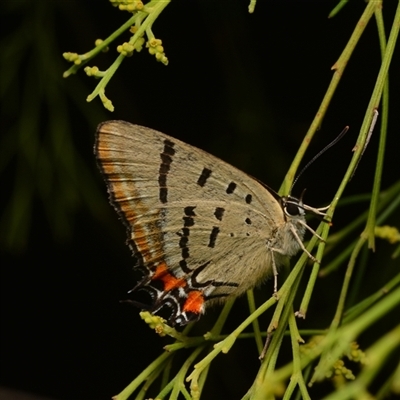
<point x="200" y="229"/>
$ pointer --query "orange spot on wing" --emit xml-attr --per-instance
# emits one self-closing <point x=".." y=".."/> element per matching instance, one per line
<point x="126" y="195"/>
<point x="170" y="282"/>
<point x="194" y="302"/>
<point x="141" y="243"/>
<point x="160" y="271"/>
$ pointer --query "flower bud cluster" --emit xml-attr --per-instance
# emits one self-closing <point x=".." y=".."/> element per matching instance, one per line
<point x="155" y="48"/>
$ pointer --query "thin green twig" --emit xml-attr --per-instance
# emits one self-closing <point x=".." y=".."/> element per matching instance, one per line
<point x="339" y="68"/>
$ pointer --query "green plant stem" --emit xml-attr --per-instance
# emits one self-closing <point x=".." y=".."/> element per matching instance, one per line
<point x="313" y="277"/>
<point x="382" y="81"/>
<point x="349" y="273"/>
<point x="338" y="261"/>
<point x="339" y="68"/>
<point x="386" y="389"/>
<point x="155" y="8"/>
<point x="376" y="355"/>
<point x="389" y="201"/>
<point x="340" y="307"/>
<point x="297" y="377"/>
<point x="350" y="332"/>
<point x="219" y="324"/>
<point x="256" y="325"/>
<point x="337" y="8"/>
<point x="166" y="372"/>
<point x="252" y="6"/>
<point x="262" y="387"/>
<point x="391" y="207"/>
<point x="361" y="307"/>
<point x="203" y="378"/>
<point x="201" y="369"/>
<point x="374" y="102"/>
<point x="347" y="334"/>
<point x="99" y="48"/>
<point x="369" y="112"/>
<point x="149" y="381"/>
<point x="382" y="139"/>
<point x="124" y="395"/>
<point x="396" y="380"/>
<point x="228" y="342"/>
<point x="346" y="284"/>
<point x="179" y="380"/>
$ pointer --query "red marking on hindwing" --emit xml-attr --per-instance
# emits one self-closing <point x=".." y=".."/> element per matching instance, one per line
<point x="194" y="302"/>
<point x="170" y="282"/>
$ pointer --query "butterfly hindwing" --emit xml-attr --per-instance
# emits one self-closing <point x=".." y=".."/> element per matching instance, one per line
<point x="199" y="228"/>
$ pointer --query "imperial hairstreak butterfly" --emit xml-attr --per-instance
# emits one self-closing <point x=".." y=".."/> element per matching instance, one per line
<point x="200" y="229"/>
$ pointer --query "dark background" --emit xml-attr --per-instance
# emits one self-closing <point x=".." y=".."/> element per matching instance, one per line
<point x="243" y="87"/>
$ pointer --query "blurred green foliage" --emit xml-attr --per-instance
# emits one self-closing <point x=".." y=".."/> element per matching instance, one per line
<point x="40" y="163"/>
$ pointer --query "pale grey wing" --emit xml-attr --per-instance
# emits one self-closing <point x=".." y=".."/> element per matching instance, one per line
<point x="188" y="209"/>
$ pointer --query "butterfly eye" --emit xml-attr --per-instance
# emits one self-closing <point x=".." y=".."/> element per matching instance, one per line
<point x="291" y="207"/>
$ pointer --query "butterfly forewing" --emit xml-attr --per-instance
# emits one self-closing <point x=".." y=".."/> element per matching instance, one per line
<point x="200" y="228"/>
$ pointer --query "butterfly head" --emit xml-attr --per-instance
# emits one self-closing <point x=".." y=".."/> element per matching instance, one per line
<point x="292" y="207"/>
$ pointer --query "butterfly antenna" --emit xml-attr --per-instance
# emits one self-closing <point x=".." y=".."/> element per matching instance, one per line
<point x="327" y="147"/>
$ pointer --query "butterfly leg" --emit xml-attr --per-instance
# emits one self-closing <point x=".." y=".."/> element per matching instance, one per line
<point x="310" y="256"/>
<point x="275" y="272"/>
<point x="314" y="233"/>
